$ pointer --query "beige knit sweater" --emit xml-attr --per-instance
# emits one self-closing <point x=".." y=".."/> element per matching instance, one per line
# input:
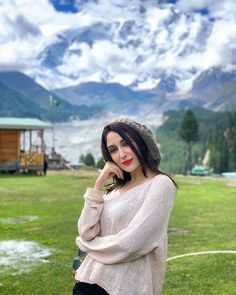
<point x="125" y="236"/>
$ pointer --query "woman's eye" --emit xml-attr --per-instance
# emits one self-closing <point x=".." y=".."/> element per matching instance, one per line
<point x="112" y="151"/>
<point x="125" y="143"/>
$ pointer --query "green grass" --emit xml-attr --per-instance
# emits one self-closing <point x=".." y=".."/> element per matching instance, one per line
<point x="205" y="211"/>
<point x="203" y="219"/>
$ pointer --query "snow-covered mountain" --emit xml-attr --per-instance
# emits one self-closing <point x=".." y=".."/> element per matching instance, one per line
<point x="138" y="48"/>
<point x="214" y="89"/>
<point x="157" y="47"/>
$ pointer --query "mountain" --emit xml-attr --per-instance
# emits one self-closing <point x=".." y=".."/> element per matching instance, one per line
<point x="211" y="80"/>
<point x="22" y="95"/>
<point x="143" y="60"/>
<point x="52" y="55"/>
<point x="109" y="96"/>
<point x="27" y="87"/>
<point x="213" y="89"/>
<point x="139" y="44"/>
<point x="224" y="99"/>
<point x="14" y="104"/>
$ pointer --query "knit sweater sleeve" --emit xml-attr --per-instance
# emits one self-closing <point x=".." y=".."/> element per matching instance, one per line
<point x="88" y="223"/>
<point x="144" y="233"/>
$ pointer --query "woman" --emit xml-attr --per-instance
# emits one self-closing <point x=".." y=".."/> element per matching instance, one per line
<point x="124" y="231"/>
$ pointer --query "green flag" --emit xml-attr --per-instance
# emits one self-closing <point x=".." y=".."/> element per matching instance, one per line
<point x="53" y="101"/>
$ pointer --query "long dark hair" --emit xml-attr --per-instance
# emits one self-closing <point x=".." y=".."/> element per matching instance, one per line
<point x="130" y="136"/>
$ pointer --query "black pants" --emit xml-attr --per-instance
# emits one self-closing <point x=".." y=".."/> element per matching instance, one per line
<point x="82" y="288"/>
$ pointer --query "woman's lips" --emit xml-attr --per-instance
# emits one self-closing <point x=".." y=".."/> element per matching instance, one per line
<point x="127" y="163"/>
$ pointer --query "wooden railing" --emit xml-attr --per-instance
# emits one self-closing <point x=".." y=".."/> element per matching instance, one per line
<point x="31" y="159"/>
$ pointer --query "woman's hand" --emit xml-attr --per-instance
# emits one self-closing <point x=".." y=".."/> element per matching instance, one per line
<point x="109" y="170"/>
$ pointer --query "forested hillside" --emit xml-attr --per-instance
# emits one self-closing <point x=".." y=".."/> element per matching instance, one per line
<point x="174" y="150"/>
<point x="21" y="96"/>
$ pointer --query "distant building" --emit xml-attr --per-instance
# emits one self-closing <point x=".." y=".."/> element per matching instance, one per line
<point x="56" y="161"/>
<point x="17" y="151"/>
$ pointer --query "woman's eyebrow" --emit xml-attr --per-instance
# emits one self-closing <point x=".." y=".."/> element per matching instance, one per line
<point x="113" y="145"/>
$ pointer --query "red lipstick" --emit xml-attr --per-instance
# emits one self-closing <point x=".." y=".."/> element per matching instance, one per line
<point x="127" y="163"/>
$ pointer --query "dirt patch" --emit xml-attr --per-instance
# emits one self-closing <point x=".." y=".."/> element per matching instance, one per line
<point x="231" y="183"/>
<point x="32" y="229"/>
<point x="177" y="231"/>
<point x="81" y="172"/>
<point x="194" y="180"/>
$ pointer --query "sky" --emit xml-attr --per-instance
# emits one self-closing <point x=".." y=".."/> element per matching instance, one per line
<point x="27" y="27"/>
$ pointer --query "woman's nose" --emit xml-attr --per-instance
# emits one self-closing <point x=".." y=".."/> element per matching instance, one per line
<point x="122" y="153"/>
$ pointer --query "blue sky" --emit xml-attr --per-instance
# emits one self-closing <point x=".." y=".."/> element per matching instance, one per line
<point x="73" y="6"/>
<point x="68" y="6"/>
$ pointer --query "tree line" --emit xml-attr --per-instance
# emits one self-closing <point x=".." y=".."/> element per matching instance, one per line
<point x="221" y="142"/>
<point x="89" y="160"/>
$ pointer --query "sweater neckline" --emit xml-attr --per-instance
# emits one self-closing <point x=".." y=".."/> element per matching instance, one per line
<point x="138" y="185"/>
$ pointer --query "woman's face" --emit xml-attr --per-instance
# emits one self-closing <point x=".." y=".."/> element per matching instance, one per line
<point x="121" y="153"/>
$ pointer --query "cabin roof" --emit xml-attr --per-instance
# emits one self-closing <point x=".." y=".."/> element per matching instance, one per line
<point x="23" y="123"/>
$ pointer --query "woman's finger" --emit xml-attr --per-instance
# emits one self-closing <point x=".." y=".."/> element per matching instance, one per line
<point x="121" y="174"/>
<point x="118" y="172"/>
<point x="114" y="168"/>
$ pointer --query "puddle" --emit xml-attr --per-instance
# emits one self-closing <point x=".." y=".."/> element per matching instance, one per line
<point x="20" y="219"/>
<point x="17" y="256"/>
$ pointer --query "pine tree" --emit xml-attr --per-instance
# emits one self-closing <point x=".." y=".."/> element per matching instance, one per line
<point x="100" y="163"/>
<point x="230" y="135"/>
<point x="81" y="159"/>
<point x="219" y="156"/>
<point x="189" y="133"/>
<point x="89" y="160"/>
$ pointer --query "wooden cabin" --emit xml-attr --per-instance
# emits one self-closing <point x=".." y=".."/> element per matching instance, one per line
<point x="18" y="152"/>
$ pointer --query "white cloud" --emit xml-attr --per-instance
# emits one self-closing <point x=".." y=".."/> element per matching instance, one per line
<point x="111" y="11"/>
<point x="188" y="5"/>
<point x="21" y="38"/>
<point x="17" y="43"/>
<point x="156" y="16"/>
<point x="102" y="55"/>
<point x="167" y="40"/>
<point x="222" y="9"/>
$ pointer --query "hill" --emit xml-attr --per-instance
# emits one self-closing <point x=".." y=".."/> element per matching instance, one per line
<point x="25" y="96"/>
<point x="109" y="96"/>
<point x="174" y="150"/>
<point x="15" y="104"/>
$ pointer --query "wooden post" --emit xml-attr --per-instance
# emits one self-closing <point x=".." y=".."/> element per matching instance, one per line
<point x="24" y="140"/>
<point x="42" y="141"/>
<point x="18" y="143"/>
<point x="30" y="147"/>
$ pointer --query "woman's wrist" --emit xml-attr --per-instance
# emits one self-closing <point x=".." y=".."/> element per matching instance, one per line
<point x="98" y="185"/>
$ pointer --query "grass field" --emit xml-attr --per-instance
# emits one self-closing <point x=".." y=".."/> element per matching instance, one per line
<point x="203" y="219"/>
